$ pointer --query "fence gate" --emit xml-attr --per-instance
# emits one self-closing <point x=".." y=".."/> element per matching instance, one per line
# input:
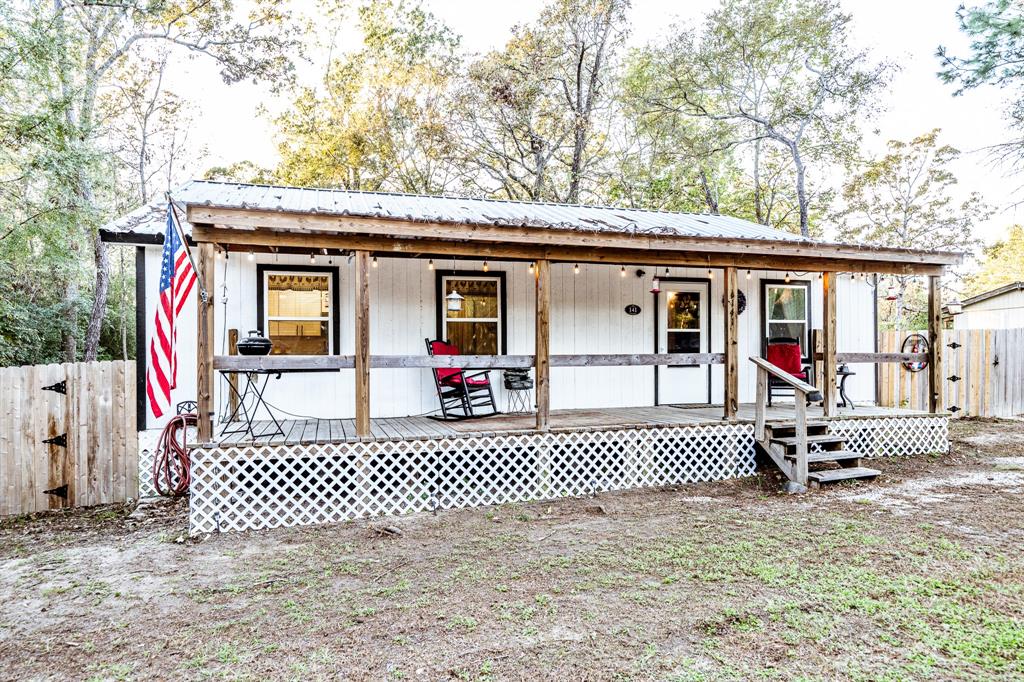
<point x="983" y="370"/>
<point x="67" y="436"/>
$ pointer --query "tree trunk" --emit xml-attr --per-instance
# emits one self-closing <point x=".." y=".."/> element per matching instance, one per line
<point x="579" y="145"/>
<point x="70" y="340"/>
<point x="758" y="212"/>
<point x="99" y="303"/>
<point x="801" y="191"/>
<point x="709" y="196"/>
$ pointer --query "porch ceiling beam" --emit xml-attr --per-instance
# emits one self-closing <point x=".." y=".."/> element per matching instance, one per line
<point x="399" y="228"/>
<point x="296" y="363"/>
<point x="265" y="240"/>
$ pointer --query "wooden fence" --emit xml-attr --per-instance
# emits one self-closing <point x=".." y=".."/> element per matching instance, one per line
<point x="983" y="371"/>
<point x="67" y="436"/>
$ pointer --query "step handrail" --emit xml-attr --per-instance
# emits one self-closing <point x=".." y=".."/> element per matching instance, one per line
<point x="810" y="391"/>
<point x="803" y="393"/>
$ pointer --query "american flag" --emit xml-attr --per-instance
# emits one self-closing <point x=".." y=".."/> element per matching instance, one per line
<point x="176" y="279"/>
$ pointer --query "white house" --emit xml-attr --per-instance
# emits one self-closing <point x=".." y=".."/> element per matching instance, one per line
<point x="1001" y="308"/>
<point x="627" y="318"/>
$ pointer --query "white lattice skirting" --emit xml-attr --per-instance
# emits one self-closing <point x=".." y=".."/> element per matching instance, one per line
<point x="147" y="448"/>
<point x="268" y="486"/>
<point x="894" y="436"/>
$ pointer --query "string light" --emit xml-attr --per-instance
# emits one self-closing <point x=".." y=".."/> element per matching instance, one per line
<point x="430" y="264"/>
<point x="252" y="256"/>
<point x="576" y="269"/>
<point x="711" y="274"/>
<point x="748" y="274"/>
<point x="531" y="267"/>
<point x="622" y="272"/>
<point x="374" y="261"/>
<point x="787" y="277"/>
<point x="485" y="266"/>
<point x="312" y="258"/>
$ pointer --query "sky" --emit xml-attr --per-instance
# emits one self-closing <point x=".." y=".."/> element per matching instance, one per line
<point x="906" y="32"/>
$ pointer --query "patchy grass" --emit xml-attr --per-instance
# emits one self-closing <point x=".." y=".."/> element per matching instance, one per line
<point x="918" y="576"/>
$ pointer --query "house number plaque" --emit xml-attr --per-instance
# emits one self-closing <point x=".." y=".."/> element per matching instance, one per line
<point x="632" y="309"/>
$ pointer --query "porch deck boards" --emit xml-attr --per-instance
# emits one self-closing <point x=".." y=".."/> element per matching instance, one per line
<point x="418" y="427"/>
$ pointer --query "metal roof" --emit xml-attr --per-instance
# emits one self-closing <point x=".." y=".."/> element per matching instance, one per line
<point x="985" y="295"/>
<point x="148" y="221"/>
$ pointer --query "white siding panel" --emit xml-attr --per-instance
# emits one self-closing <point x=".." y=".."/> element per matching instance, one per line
<point x="588" y="317"/>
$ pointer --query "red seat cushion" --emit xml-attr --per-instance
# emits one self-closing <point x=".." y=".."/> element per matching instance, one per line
<point x="451" y="375"/>
<point x="787" y="357"/>
<point x="457" y="379"/>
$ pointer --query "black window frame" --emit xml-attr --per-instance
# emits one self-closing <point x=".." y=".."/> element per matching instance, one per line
<point x="439" y="302"/>
<point x="332" y="271"/>
<point x="806" y="284"/>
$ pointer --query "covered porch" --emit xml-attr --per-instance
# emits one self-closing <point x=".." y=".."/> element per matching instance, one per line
<point x="314" y="470"/>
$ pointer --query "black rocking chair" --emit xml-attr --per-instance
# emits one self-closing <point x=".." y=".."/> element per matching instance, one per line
<point x="458" y="391"/>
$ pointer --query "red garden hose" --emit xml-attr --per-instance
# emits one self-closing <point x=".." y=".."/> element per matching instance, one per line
<point x="171" y="463"/>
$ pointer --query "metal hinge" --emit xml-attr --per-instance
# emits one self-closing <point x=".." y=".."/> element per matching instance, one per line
<point x="59" y="491"/>
<point x="59" y="387"/>
<point x="954" y="408"/>
<point x="954" y="378"/>
<point x="954" y="345"/>
<point x="61" y="440"/>
<point x="995" y="363"/>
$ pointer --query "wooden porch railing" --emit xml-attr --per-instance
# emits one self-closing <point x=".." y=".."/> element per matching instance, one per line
<point x="802" y="394"/>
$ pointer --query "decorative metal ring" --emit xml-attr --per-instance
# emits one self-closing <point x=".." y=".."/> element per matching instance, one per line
<point x="915" y="343"/>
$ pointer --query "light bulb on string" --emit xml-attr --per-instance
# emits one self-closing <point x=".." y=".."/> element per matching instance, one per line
<point x="374" y="261"/>
<point x="748" y="274"/>
<point x="622" y="271"/>
<point x="576" y="269"/>
<point x="430" y="264"/>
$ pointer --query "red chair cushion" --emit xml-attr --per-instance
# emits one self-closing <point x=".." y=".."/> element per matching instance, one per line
<point x="475" y="381"/>
<point x="787" y="357"/>
<point x="451" y="375"/>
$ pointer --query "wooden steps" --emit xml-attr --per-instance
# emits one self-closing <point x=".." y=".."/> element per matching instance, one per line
<point x="836" y="475"/>
<point x="820" y="439"/>
<point x="828" y="456"/>
<point x="824" y="448"/>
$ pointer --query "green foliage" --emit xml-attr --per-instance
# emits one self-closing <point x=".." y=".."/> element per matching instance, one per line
<point x="1002" y="264"/>
<point x="378" y="121"/>
<point x="996" y="56"/>
<point x="777" y="77"/>
<point x="904" y="199"/>
<point x="72" y="158"/>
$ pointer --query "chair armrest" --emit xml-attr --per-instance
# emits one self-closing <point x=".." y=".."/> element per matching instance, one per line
<point x="476" y="374"/>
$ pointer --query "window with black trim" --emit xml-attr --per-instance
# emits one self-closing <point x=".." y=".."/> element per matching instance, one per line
<point x="298" y="309"/>
<point x="786" y="308"/>
<point x="477" y="327"/>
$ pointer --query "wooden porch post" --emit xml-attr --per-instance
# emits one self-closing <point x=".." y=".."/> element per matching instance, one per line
<point x="732" y="360"/>
<point x="362" y="350"/>
<point x="828" y="343"/>
<point x="205" y="266"/>
<point x="935" y="402"/>
<point x="542" y="359"/>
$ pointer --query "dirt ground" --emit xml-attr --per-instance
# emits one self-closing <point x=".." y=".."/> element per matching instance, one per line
<point x="919" y="575"/>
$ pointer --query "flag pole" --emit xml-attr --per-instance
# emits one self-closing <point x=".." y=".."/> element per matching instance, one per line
<point x="203" y="294"/>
